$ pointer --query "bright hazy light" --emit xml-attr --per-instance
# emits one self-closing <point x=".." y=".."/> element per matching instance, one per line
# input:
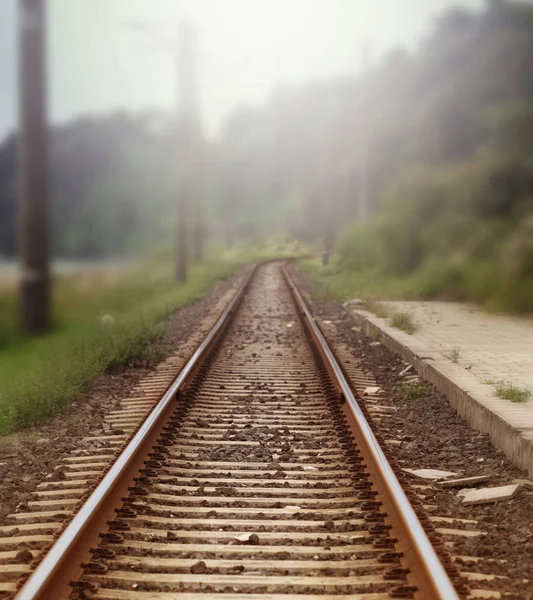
<point x="101" y="58"/>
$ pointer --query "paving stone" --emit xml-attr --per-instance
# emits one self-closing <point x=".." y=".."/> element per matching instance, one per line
<point x="484" y="495"/>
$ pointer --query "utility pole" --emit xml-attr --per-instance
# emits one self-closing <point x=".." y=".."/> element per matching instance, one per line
<point x="189" y="200"/>
<point x="362" y="195"/>
<point x="33" y="193"/>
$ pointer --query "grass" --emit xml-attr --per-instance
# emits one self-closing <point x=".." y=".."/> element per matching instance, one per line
<point x="410" y="392"/>
<point x="454" y="354"/>
<point x="508" y="391"/>
<point x="404" y="321"/>
<point x="369" y="286"/>
<point x="378" y="308"/>
<point x="39" y="376"/>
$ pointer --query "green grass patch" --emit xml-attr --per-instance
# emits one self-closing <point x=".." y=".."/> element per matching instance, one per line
<point x="508" y="391"/>
<point x="410" y="392"/>
<point x="404" y="321"/>
<point x="39" y="376"/>
<point x="369" y="285"/>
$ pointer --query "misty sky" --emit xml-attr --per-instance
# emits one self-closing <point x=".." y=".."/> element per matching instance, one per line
<point x="101" y="60"/>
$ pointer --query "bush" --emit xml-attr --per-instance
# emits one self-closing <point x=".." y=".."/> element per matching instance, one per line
<point x="360" y="248"/>
<point x="460" y="233"/>
<point x="39" y="376"/>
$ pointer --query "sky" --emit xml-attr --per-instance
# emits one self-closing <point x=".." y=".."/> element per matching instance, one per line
<point x="121" y="54"/>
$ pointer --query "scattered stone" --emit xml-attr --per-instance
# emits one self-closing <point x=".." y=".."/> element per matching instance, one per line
<point x="253" y="540"/>
<point x="42" y="441"/>
<point x="370" y="391"/>
<point x="24" y="556"/>
<point x="484" y="495"/>
<point x="199" y="568"/>
<point x="374" y="344"/>
<point x="107" y="320"/>
<point x="430" y="473"/>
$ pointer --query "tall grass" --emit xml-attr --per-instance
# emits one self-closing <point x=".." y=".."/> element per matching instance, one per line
<point x="38" y="376"/>
<point x="463" y="232"/>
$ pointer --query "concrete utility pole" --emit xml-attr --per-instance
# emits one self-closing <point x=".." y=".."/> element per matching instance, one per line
<point x="189" y="200"/>
<point x="33" y="193"/>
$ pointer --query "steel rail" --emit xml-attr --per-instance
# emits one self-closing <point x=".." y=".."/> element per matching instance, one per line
<point x="427" y="572"/>
<point x="50" y="577"/>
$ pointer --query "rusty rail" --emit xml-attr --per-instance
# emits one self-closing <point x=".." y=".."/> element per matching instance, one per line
<point x="420" y="557"/>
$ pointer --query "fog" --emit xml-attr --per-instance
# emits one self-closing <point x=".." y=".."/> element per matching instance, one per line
<point x="120" y="54"/>
<point x="391" y="138"/>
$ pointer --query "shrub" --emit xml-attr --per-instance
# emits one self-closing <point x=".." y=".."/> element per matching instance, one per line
<point x="404" y="321"/>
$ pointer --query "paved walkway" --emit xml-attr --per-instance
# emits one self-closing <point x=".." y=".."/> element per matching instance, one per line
<point x="492" y="347"/>
<point x="465" y="352"/>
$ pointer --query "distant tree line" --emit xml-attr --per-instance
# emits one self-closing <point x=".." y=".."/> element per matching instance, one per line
<point x="112" y="188"/>
<point x="316" y="158"/>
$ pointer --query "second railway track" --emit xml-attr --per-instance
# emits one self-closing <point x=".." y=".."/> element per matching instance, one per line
<point x="255" y="477"/>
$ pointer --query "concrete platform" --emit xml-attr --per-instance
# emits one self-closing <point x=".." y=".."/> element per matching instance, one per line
<point x="488" y="349"/>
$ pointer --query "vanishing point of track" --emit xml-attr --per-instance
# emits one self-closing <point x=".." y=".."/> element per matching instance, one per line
<point x="255" y="476"/>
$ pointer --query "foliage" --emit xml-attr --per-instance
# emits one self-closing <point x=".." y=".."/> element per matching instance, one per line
<point x="436" y="143"/>
<point x="404" y="321"/>
<point x="411" y="392"/>
<point x="508" y="391"/>
<point x="458" y="233"/>
<point x="111" y="186"/>
<point x="40" y="375"/>
<point x="441" y="140"/>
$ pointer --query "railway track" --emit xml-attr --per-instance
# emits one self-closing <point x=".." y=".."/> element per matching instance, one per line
<point x="255" y="476"/>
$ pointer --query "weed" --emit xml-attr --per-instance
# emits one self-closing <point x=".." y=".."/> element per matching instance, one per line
<point x="508" y="391"/>
<point x="454" y="354"/>
<point x="410" y="392"/>
<point x="404" y="321"/>
<point x="378" y="308"/>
